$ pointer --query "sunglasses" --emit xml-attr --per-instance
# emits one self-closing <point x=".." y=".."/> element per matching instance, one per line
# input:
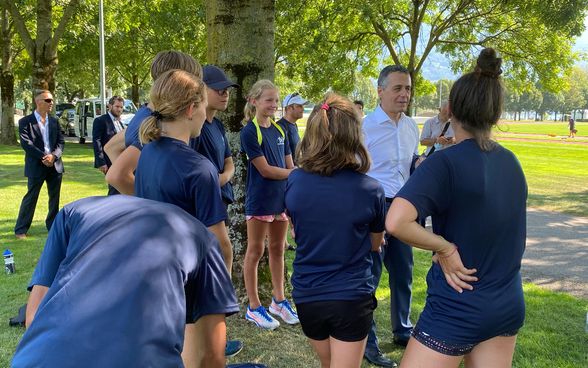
<point x="291" y="97"/>
<point x="223" y="92"/>
<point x="48" y="100"/>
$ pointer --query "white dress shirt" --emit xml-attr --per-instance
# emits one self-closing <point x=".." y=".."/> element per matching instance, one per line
<point x="432" y="129"/>
<point x="392" y="147"/>
<point x="118" y="126"/>
<point x="44" y="128"/>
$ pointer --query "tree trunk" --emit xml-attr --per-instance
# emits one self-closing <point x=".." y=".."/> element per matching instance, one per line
<point x="135" y="89"/>
<point x="241" y="41"/>
<point x="7" y="128"/>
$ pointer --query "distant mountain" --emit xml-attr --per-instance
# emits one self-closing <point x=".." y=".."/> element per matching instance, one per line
<point x="437" y="67"/>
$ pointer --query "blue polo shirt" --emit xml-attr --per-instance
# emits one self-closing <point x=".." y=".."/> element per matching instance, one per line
<point x="172" y="172"/>
<point x="212" y="144"/>
<point x="118" y="270"/>
<point x="264" y="196"/>
<point x="132" y="132"/>
<point x="333" y="217"/>
<point x="291" y="130"/>
<point x="477" y="200"/>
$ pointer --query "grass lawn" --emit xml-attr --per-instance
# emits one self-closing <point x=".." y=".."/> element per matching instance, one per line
<point x="556" y="128"/>
<point x="553" y="335"/>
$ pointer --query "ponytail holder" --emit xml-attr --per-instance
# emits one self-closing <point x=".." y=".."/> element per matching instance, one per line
<point x="157" y="115"/>
<point x="325" y="107"/>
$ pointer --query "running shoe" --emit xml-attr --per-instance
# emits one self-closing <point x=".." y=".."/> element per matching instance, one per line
<point x="284" y="310"/>
<point x="233" y="348"/>
<point x="261" y="318"/>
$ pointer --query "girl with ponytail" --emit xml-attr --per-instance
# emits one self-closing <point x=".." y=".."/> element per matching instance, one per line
<point x="269" y="164"/>
<point x="338" y="217"/>
<point x="170" y="171"/>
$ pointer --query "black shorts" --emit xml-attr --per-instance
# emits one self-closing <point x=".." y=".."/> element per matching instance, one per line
<point x="345" y="320"/>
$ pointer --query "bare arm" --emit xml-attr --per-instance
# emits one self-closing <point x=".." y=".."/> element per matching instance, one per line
<point x="228" y="172"/>
<point x="377" y="241"/>
<point x="115" y="146"/>
<point x="35" y="298"/>
<point x="220" y="231"/>
<point x="428" y="141"/>
<point x="401" y="222"/>
<point x="271" y="172"/>
<point x="121" y="173"/>
<point x="289" y="162"/>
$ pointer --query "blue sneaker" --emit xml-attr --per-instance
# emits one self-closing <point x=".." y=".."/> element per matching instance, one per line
<point x="284" y="310"/>
<point x="261" y="318"/>
<point x="233" y="348"/>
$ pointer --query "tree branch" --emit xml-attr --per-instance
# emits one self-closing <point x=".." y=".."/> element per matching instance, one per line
<point x="68" y="13"/>
<point x="20" y="25"/>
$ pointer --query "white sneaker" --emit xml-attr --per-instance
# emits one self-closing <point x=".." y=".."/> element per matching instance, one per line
<point x="261" y="318"/>
<point x="284" y="310"/>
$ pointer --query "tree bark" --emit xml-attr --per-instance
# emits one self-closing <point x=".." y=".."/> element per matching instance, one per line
<point x="7" y="128"/>
<point x="240" y="40"/>
<point x="43" y="49"/>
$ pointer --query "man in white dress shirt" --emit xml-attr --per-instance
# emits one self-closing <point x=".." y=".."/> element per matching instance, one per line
<point x="392" y="139"/>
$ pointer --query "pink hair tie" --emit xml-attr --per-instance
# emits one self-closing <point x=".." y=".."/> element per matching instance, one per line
<point x="325" y="107"/>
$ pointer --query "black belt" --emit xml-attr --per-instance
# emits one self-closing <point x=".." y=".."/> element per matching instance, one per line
<point x="389" y="200"/>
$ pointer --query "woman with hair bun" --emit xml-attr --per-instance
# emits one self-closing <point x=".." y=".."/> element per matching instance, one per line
<point x="338" y="217"/>
<point x="476" y="194"/>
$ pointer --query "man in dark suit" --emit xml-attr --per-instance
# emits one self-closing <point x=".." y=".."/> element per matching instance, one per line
<point x="104" y="128"/>
<point x="41" y="139"/>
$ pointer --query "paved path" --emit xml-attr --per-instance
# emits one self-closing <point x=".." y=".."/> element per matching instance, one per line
<point x="557" y="252"/>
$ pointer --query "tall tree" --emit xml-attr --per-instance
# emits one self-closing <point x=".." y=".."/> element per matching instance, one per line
<point x="41" y="44"/>
<point x="534" y="36"/>
<point x="7" y="132"/>
<point x="241" y="41"/>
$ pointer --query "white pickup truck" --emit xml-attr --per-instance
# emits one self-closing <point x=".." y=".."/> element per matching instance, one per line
<point x="89" y="109"/>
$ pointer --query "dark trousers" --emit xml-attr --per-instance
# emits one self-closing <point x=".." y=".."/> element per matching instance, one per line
<point x="112" y="190"/>
<point x="397" y="257"/>
<point x="29" y="201"/>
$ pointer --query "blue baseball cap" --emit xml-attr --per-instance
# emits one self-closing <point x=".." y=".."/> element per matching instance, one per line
<point x="215" y="78"/>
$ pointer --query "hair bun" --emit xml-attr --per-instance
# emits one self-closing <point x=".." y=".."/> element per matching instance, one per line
<point x="488" y="63"/>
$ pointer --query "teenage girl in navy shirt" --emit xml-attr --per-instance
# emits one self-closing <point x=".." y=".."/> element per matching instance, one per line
<point x="269" y="164"/>
<point x="476" y="194"/>
<point x="172" y="172"/>
<point x="338" y="216"/>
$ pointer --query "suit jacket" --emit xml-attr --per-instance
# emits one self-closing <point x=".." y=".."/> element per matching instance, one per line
<point x="102" y="130"/>
<point x="31" y="141"/>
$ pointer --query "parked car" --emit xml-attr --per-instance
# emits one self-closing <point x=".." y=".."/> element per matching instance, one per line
<point x="60" y="108"/>
<point x="89" y="109"/>
<point x="67" y="122"/>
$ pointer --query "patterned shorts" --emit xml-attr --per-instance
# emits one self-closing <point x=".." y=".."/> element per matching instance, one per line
<point x="446" y="348"/>
<point x="269" y="218"/>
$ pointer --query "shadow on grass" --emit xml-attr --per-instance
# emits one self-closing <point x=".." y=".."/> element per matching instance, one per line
<point x="576" y="203"/>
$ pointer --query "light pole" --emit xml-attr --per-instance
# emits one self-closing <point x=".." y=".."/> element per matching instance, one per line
<point x="102" y="62"/>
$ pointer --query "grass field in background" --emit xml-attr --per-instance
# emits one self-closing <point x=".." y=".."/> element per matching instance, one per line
<point x="557" y="128"/>
<point x="553" y="335"/>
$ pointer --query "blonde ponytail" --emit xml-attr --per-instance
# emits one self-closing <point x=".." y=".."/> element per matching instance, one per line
<point x="150" y="130"/>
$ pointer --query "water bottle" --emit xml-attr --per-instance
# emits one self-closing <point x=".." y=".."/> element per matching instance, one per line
<point x="8" y="262"/>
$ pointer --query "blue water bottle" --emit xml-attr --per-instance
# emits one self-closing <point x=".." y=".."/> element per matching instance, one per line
<point x="8" y="262"/>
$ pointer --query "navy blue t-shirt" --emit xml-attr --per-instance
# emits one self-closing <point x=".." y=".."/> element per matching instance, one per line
<point x="477" y="201"/>
<point x="132" y="132"/>
<point x="212" y="143"/>
<point x="118" y="270"/>
<point x="172" y="172"/>
<point x="333" y="217"/>
<point x="291" y="130"/>
<point x="264" y="196"/>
